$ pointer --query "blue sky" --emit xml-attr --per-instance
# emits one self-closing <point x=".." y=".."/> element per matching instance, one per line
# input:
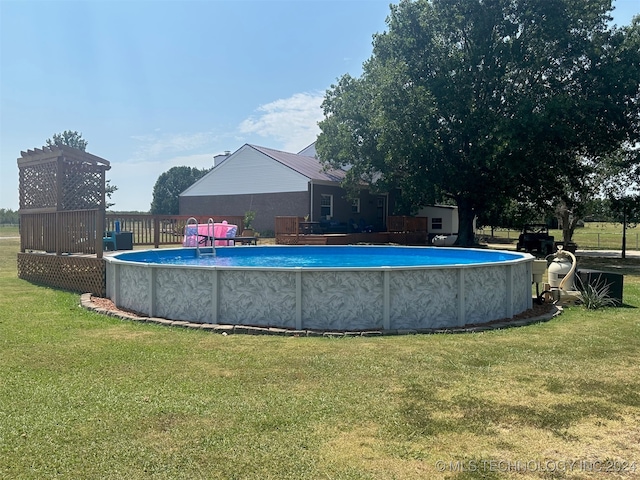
<point x="156" y="84"/>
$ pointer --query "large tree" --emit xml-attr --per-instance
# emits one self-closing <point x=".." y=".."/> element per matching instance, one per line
<point x="170" y="185"/>
<point x="476" y="100"/>
<point x="68" y="138"/>
<point x="74" y="139"/>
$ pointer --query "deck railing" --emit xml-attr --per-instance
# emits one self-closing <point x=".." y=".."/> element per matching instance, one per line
<point x="288" y="230"/>
<point x="72" y="231"/>
<point x="401" y="229"/>
<point x="407" y="224"/>
<point x="160" y="230"/>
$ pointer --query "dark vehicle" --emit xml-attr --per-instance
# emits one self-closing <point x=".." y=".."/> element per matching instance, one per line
<point x="535" y="238"/>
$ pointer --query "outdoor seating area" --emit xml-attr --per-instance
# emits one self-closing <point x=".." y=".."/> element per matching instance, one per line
<point x="117" y="240"/>
<point x="211" y="233"/>
<point x="109" y="241"/>
<point x="326" y="227"/>
<point x="333" y="226"/>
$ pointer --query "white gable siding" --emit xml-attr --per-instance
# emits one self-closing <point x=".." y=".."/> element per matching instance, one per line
<point x="310" y="151"/>
<point x="248" y="171"/>
<point x="449" y="216"/>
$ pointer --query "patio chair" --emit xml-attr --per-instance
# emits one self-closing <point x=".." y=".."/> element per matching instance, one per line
<point x="364" y="227"/>
<point x="190" y="235"/>
<point x="225" y="233"/>
<point x="231" y="233"/>
<point x="109" y="240"/>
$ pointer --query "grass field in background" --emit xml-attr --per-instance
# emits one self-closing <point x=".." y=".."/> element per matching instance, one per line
<point x="89" y="396"/>
<point x="9" y="231"/>
<point x="593" y="236"/>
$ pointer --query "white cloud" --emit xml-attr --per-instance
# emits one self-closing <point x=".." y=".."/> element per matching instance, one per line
<point x="292" y="121"/>
<point x="153" y="145"/>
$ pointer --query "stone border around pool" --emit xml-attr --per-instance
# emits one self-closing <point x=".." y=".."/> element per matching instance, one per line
<point x="87" y="303"/>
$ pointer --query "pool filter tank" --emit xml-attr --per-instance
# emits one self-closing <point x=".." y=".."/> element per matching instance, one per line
<point x="561" y="267"/>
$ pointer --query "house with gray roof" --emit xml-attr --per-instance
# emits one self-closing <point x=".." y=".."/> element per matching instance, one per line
<point x="276" y="183"/>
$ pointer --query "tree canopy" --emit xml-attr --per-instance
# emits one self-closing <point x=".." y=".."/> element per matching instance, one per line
<point x="479" y="100"/>
<point x="74" y="139"/>
<point x="170" y="185"/>
<point x="69" y="138"/>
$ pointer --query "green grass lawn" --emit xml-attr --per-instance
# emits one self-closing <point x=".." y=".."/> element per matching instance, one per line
<point x="85" y="396"/>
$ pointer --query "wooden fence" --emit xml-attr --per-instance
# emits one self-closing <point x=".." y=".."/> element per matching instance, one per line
<point x="401" y="229"/>
<point x="407" y="224"/>
<point x="160" y="230"/>
<point x="67" y="233"/>
<point x="288" y="230"/>
<point x="81" y="231"/>
<point x="75" y="231"/>
<point x="408" y="230"/>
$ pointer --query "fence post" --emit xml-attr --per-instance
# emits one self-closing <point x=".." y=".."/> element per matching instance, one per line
<point x="156" y="231"/>
<point x="58" y="233"/>
<point x="100" y="219"/>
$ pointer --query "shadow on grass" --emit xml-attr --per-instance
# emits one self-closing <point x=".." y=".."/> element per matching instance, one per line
<point x="626" y="305"/>
<point x="619" y="393"/>
<point x="426" y="413"/>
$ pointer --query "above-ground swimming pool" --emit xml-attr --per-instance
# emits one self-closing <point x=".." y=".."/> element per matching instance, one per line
<point x="342" y="288"/>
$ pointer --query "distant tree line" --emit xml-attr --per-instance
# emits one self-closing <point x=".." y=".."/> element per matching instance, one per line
<point x="8" y="217"/>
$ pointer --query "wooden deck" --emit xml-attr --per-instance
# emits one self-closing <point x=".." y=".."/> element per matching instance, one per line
<point x="403" y="231"/>
<point x="376" y="238"/>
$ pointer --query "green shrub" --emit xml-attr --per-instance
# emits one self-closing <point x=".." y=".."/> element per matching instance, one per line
<point x="595" y="296"/>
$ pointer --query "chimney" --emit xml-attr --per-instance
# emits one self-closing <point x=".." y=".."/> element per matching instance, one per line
<point x="221" y="157"/>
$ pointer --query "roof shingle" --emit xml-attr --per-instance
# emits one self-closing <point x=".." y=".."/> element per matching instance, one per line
<point x="310" y="167"/>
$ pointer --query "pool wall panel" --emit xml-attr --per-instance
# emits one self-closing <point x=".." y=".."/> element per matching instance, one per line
<point x="348" y="300"/>
<point x="133" y="288"/>
<point x="262" y="298"/>
<point x="184" y="293"/>
<point x="485" y="294"/>
<point x="423" y="298"/>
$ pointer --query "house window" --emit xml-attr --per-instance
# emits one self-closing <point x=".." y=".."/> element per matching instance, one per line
<point x="436" y="224"/>
<point x="326" y="206"/>
<point x="355" y="205"/>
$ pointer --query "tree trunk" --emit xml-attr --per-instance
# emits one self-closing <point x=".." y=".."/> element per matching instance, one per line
<point x="568" y="223"/>
<point x="567" y="233"/>
<point x="466" y="215"/>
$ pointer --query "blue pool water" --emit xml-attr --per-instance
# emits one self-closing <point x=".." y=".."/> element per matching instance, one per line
<point x="349" y="256"/>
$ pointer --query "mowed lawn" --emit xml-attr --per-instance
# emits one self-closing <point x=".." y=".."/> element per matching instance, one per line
<point x="85" y="396"/>
<point x="592" y="236"/>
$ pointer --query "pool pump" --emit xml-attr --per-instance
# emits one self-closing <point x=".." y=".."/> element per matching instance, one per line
<point x="561" y="268"/>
